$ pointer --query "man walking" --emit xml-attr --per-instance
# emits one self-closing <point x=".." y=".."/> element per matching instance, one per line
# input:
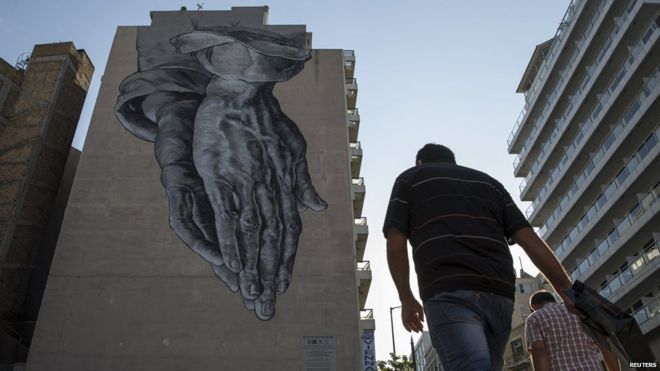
<point x="458" y="221"/>
<point x="556" y="341"/>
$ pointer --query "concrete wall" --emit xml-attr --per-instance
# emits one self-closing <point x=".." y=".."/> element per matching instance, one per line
<point x="124" y="293"/>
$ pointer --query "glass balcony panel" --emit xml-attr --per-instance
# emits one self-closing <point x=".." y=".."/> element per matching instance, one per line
<point x="623" y="226"/>
<point x="632" y="164"/>
<point x="625" y="275"/>
<point x="584" y="265"/>
<point x="596" y="110"/>
<point x="609" y="191"/>
<point x="605" y="292"/>
<point x="615" y="284"/>
<point x="608" y="142"/>
<point x="622" y="176"/>
<point x="583" y="222"/>
<point x="598" y="155"/>
<point x="589" y="168"/>
<point x="575" y="275"/>
<point x="612" y="237"/>
<point x="636" y="213"/>
<point x="600" y="202"/>
<point x="602" y="247"/>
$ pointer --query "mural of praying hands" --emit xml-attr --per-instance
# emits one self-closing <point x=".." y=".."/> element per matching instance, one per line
<point x="232" y="163"/>
<point x="251" y="158"/>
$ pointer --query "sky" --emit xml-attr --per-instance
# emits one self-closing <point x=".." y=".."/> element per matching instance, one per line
<point x="428" y="71"/>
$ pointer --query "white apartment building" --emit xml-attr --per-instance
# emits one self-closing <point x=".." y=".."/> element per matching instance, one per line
<point x="587" y="147"/>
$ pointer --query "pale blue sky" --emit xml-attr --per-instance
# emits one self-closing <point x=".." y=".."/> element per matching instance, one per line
<point x="427" y="71"/>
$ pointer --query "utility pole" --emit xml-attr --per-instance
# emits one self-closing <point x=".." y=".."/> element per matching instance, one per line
<point x="392" y="326"/>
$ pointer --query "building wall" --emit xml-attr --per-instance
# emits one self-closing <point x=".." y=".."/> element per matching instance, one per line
<point x="125" y="293"/>
<point x="39" y="111"/>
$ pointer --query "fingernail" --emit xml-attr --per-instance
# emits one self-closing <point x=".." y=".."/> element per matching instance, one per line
<point x="268" y="308"/>
<point x="282" y="287"/>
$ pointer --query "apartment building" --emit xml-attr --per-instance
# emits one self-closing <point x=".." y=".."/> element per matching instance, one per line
<point x="125" y="292"/>
<point x="41" y="98"/>
<point x="586" y="145"/>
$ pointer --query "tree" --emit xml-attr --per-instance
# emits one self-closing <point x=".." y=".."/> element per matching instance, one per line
<point x="396" y="363"/>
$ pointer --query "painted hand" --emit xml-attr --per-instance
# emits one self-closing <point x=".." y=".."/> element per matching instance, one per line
<point x="190" y="210"/>
<point x="252" y="163"/>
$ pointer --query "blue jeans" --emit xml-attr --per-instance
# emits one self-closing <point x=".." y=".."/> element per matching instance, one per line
<point x="469" y="329"/>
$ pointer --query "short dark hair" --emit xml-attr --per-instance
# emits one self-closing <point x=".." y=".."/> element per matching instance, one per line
<point x="432" y="152"/>
<point x="542" y="297"/>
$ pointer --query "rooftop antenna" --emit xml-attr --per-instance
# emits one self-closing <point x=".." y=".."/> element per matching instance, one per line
<point x="200" y="6"/>
<point x="22" y="61"/>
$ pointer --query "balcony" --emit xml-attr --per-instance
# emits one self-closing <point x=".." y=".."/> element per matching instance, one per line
<point x="565" y="75"/>
<point x="358" y="191"/>
<point x="349" y="63"/>
<point x="607" y="98"/>
<point x="351" y="92"/>
<point x="646" y="316"/>
<point x="367" y="321"/>
<point x="360" y="233"/>
<point x="356" y="159"/>
<point x="363" y="281"/>
<point x="637" y="218"/>
<point x="638" y="269"/>
<point x="637" y="163"/>
<point x="353" y="124"/>
<point x="532" y="94"/>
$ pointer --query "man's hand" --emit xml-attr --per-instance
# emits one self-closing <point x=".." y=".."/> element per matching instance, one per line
<point x="412" y="315"/>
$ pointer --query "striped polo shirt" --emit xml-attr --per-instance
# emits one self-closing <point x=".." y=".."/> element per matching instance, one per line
<point x="458" y="221"/>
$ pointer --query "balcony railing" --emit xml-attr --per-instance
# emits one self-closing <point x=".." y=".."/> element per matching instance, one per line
<point x="634" y="269"/>
<point x="364" y="265"/>
<point x="367" y="314"/>
<point x="610" y="194"/>
<point x="603" y="245"/>
<point x="559" y="39"/>
<point x="586" y="128"/>
<point x="647" y="312"/>
<point x="361" y="221"/>
<point x="356" y="147"/>
<point x="357" y="181"/>
<point x="349" y="62"/>
<point x="564" y="77"/>
<point x="353" y="123"/>
<point x="641" y="98"/>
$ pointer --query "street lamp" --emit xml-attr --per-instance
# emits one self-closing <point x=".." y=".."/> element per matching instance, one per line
<point x="392" y="326"/>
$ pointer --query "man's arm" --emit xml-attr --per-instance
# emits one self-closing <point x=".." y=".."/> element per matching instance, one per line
<point x="545" y="260"/>
<point x="412" y="313"/>
<point x="539" y="356"/>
